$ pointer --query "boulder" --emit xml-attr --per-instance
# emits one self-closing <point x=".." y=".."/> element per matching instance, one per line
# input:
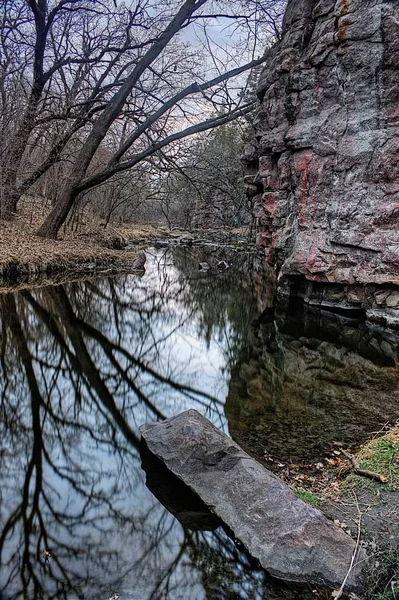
<point x="292" y="540"/>
<point x="182" y="502"/>
<point x="204" y="266"/>
<point x="161" y="244"/>
<point x="139" y="262"/>
<point x="222" y="265"/>
<point x="187" y="239"/>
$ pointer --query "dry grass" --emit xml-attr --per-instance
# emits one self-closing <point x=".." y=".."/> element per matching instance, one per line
<point x="379" y="455"/>
<point x="392" y="436"/>
<point x="20" y="245"/>
<point x="138" y="232"/>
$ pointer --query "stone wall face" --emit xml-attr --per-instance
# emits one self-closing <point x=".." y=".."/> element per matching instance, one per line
<point x="323" y="168"/>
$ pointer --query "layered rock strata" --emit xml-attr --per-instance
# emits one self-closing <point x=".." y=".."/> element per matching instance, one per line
<point x="323" y="168"/>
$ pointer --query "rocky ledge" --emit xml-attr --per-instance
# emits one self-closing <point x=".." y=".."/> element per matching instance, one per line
<point x="323" y="167"/>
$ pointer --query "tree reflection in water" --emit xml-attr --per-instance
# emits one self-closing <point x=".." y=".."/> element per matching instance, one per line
<point x="82" y="366"/>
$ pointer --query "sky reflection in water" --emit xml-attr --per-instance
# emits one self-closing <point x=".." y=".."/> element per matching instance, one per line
<point x="82" y="366"/>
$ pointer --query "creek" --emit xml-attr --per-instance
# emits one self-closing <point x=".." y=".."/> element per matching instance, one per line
<point x="83" y="365"/>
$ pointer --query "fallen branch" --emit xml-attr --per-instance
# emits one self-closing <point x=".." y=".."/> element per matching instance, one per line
<point x="364" y="472"/>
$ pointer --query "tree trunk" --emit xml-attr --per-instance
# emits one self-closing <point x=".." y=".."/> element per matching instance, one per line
<point x="57" y="216"/>
<point x="15" y="154"/>
<point x="27" y="123"/>
<point x="10" y="201"/>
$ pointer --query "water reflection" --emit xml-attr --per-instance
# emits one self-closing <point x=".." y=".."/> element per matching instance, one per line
<point x="82" y="366"/>
<point x="310" y="381"/>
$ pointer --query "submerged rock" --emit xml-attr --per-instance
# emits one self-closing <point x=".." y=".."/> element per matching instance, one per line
<point x="307" y="379"/>
<point x="292" y="540"/>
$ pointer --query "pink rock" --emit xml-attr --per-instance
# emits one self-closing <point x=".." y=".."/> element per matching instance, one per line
<point x="328" y="125"/>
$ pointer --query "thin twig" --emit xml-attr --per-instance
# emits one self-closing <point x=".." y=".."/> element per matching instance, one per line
<point x="359" y="530"/>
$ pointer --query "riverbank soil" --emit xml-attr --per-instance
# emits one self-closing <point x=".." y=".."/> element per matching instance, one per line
<point x="78" y="244"/>
<point x="360" y="493"/>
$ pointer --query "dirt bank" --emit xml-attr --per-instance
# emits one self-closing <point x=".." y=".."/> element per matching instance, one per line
<point x="80" y="250"/>
<point x="26" y="256"/>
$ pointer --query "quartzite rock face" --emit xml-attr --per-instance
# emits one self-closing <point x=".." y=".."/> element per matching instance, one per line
<point x="323" y="170"/>
<point x="292" y="540"/>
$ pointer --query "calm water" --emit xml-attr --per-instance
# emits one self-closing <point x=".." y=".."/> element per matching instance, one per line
<point x="85" y="364"/>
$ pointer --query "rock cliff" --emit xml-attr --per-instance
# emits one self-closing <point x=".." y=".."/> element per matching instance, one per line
<point x="323" y="168"/>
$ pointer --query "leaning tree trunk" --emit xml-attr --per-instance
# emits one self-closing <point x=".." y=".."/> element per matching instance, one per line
<point x="70" y="192"/>
<point x="58" y="215"/>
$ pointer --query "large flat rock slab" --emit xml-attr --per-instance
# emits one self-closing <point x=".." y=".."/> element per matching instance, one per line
<point x="292" y="540"/>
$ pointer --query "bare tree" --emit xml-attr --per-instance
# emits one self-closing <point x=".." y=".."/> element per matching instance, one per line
<point x="76" y="181"/>
<point x="129" y="85"/>
<point x="38" y="44"/>
<point x="205" y="187"/>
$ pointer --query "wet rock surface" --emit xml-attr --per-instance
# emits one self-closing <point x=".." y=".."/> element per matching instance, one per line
<point x="239" y="238"/>
<point x="309" y="379"/>
<point x="184" y="504"/>
<point x="292" y="540"/>
<point x="322" y="170"/>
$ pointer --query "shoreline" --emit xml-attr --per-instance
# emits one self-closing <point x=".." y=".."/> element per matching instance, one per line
<point x="28" y="260"/>
<point x="16" y="276"/>
<point x="91" y="250"/>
